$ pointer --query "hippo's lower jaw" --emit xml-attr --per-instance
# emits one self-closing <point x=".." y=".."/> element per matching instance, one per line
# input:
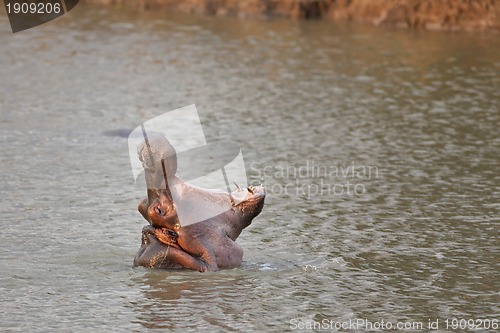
<point x="247" y="196"/>
<point x="248" y="202"/>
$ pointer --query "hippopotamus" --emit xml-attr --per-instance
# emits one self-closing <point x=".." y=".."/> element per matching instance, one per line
<point x="175" y="240"/>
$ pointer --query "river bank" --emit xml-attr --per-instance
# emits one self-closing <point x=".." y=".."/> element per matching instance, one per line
<point x="453" y="15"/>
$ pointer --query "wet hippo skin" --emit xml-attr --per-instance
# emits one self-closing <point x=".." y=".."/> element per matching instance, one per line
<point x="168" y="242"/>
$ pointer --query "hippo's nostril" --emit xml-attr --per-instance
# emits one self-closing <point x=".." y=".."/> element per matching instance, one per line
<point x="159" y="211"/>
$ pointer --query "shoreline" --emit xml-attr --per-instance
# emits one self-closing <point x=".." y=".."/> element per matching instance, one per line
<point x="446" y="15"/>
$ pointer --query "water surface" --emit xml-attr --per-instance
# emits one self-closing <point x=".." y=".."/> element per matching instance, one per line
<point x="416" y="239"/>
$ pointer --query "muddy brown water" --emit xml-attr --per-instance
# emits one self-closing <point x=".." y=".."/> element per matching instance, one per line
<point x="379" y="149"/>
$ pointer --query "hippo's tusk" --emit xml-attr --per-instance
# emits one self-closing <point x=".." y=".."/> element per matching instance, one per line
<point x="237" y="186"/>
